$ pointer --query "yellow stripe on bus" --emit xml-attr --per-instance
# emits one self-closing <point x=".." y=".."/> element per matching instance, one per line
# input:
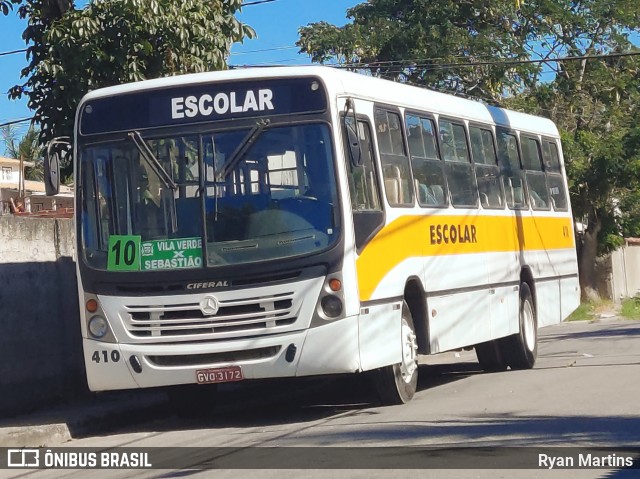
<point x="419" y="236"/>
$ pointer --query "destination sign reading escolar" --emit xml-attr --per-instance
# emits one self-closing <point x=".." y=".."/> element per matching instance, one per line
<point x="222" y="103"/>
<point x="202" y="102"/>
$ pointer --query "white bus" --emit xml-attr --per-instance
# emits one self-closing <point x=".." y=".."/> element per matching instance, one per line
<point x="287" y="222"/>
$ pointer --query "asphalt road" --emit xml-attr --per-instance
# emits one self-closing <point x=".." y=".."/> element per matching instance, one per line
<point x="584" y="391"/>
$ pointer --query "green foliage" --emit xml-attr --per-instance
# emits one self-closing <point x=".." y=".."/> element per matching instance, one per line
<point x="420" y="41"/>
<point x="584" y="312"/>
<point x="593" y="102"/>
<point x="7" y="5"/>
<point x="594" y="309"/>
<point x="630" y="308"/>
<point x="28" y="148"/>
<point x="117" y="41"/>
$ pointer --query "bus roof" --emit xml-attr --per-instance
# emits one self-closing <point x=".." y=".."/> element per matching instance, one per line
<point x="345" y="83"/>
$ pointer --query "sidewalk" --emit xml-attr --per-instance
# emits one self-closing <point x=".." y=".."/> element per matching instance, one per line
<point x="56" y="425"/>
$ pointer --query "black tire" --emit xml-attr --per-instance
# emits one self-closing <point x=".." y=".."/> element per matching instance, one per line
<point x="490" y="357"/>
<point x="521" y="350"/>
<point x="191" y="400"/>
<point x="397" y="384"/>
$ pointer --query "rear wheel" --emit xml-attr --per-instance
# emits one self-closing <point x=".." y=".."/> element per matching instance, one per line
<point x="397" y="384"/>
<point x="520" y="350"/>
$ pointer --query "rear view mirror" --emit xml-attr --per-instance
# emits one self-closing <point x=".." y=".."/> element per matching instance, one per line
<point x="52" y="174"/>
<point x="56" y="150"/>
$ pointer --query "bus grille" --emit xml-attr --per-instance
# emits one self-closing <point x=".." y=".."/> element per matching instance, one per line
<point x="242" y="315"/>
<point x="214" y="358"/>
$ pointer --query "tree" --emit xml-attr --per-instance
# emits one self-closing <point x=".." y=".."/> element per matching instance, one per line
<point x="424" y="41"/>
<point x="594" y="101"/>
<point x="115" y="41"/>
<point x="26" y="148"/>
<point x="463" y="47"/>
<point x="7" y="5"/>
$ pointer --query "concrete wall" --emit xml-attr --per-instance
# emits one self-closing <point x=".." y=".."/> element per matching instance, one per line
<point x="40" y="341"/>
<point x="625" y="272"/>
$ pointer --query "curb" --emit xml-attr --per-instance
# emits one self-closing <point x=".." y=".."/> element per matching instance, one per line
<point x="101" y="412"/>
<point x="34" y="436"/>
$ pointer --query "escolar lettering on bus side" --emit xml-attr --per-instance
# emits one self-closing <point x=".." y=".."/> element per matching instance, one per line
<point x="453" y="234"/>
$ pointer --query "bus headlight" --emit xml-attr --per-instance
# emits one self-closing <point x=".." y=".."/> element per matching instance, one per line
<point x="98" y="327"/>
<point x="331" y="306"/>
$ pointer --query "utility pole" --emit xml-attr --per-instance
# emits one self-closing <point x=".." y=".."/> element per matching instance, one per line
<point x="21" y="178"/>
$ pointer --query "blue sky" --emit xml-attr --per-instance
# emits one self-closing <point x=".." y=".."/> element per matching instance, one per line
<point x="276" y="24"/>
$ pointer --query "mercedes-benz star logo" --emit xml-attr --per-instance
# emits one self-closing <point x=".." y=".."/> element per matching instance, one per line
<point x="209" y="305"/>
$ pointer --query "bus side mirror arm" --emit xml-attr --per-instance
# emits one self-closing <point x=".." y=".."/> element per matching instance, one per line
<point x="52" y="157"/>
<point x="355" y="151"/>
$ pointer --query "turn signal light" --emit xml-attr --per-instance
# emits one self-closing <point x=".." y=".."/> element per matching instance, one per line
<point x="92" y="305"/>
<point x="335" y="284"/>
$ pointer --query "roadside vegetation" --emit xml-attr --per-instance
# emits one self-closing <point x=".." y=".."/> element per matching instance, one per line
<point x="585" y="312"/>
<point x="593" y="310"/>
<point x="630" y="308"/>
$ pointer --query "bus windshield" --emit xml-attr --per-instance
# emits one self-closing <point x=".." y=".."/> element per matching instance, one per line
<point x="207" y="199"/>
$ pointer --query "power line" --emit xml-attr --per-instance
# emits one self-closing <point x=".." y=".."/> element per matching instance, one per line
<point x="413" y="63"/>
<point x="400" y="66"/>
<point x="258" y="2"/>
<point x="13" y="122"/>
<point x="286" y="47"/>
<point x="12" y="52"/>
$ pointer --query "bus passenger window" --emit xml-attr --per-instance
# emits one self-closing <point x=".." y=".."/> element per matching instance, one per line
<point x="395" y="131"/>
<point x="530" y="154"/>
<point x="557" y="191"/>
<point x="382" y="132"/>
<point x="538" y="192"/>
<point x="487" y="172"/>
<point x="461" y="185"/>
<point x="489" y="187"/>
<point x="509" y="160"/>
<point x="460" y="174"/>
<point x="425" y="162"/>
<point x="536" y="179"/>
<point x="398" y="182"/>
<point x="415" y="137"/>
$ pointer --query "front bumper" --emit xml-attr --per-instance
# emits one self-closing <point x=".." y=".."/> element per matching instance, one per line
<point x="328" y="349"/>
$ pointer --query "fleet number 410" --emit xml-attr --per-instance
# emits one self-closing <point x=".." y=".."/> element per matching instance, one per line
<point x="104" y="356"/>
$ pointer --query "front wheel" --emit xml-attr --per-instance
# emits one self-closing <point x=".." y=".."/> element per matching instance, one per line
<point x="521" y="350"/>
<point x="397" y="384"/>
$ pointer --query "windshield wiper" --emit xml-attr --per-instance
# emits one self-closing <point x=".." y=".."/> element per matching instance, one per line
<point x="151" y="159"/>
<point x="246" y="143"/>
